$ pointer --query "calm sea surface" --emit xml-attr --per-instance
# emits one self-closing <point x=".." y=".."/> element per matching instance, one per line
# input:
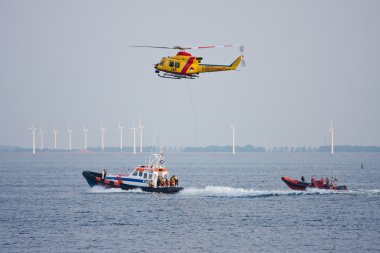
<point x="230" y="204"/>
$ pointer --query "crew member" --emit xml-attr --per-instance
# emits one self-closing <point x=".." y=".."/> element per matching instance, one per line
<point x="176" y="180"/>
<point x="104" y="173"/>
<point x="162" y="182"/>
<point x="327" y="182"/>
<point x="172" y="181"/>
<point x="302" y="179"/>
<point x="150" y="184"/>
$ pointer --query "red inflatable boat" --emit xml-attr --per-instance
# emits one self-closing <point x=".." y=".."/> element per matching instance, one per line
<point x="319" y="184"/>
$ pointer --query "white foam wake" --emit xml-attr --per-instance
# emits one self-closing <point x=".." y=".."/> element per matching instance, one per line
<point x="370" y="191"/>
<point x="225" y="191"/>
<point x="102" y="189"/>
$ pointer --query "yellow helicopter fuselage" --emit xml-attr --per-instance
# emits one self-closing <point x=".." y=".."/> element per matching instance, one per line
<point x="184" y="65"/>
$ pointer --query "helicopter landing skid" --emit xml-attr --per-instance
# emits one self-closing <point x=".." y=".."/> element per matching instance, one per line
<point x="177" y="76"/>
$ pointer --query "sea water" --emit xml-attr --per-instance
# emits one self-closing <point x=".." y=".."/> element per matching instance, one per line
<point x="230" y="204"/>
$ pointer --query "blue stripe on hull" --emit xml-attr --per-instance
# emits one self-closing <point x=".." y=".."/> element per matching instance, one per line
<point x="128" y="179"/>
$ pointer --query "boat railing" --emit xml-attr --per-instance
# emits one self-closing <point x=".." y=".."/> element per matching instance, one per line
<point x="155" y="160"/>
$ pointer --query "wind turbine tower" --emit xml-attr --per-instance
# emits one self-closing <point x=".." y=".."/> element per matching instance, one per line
<point x="55" y="132"/>
<point x="85" y="131"/>
<point x="331" y="130"/>
<point x="41" y="135"/>
<point x="233" y="128"/>
<point x="69" y="132"/>
<point x="141" y="134"/>
<point x="134" y="139"/>
<point x="102" y="129"/>
<point x="121" y="137"/>
<point x="34" y="138"/>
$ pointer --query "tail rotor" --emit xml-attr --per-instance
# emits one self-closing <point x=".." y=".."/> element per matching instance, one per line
<point x="243" y="63"/>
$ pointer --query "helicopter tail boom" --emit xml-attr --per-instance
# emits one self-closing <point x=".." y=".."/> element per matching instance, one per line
<point x="214" y="68"/>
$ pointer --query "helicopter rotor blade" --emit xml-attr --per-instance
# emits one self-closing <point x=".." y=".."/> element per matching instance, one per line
<point x="206" y="47"/>
<point x="188" y="47"/>
<point x="153" y="47"/>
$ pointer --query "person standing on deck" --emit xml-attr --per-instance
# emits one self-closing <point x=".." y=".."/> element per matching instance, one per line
<point x="176" y="180"/>
<point x="104" y="173"/>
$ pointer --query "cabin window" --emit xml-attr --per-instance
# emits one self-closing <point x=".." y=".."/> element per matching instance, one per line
<point x="134" y="173"/>
<point x="140" y="173"/>
<point x="145" y="175"/>
<point x="162" y="62"/>
<point x="177" y="64"/>
<point x="165" y="176"/>
<point x="150" y="176"/>
<point x="171" y="64"/>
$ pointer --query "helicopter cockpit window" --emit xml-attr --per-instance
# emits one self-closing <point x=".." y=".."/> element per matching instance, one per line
<point x="171" y="64"/>
<point x="162" y="62"/>
<point x="177" y="64"/>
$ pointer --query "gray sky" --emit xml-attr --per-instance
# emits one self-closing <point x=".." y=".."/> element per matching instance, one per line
<point x="308" y="62"/>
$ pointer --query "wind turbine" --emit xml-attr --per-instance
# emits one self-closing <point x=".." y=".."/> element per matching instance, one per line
<point x="121" y="136"/>
<point x="134" y="139"/>
<point x="102" y="129"/>
<point x="69" y="131"/>
<point x="331" y="129"/>
<point x="41" y="134"/>
<point x="85" y="131"/>
<point x="55" y="132"/>
<point x="141" y="134"/>
<point x="34" y="138"/>
<point x="233" y="128"/>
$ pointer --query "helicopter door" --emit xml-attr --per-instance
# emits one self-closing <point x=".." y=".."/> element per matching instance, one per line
<point x="171" y="66"/>
<point x="174" y="66"/>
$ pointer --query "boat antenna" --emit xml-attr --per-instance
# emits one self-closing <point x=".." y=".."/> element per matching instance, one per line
<point x="153" y="140"/>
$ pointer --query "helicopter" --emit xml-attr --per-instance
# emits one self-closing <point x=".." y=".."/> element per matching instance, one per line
<point x="186" y="66"/>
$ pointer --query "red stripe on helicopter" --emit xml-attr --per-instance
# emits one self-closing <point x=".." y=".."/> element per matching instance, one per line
<point x="188" y="64"/>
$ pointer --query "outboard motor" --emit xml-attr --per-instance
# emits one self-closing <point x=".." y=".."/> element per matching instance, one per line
<point x="342" y="187"/>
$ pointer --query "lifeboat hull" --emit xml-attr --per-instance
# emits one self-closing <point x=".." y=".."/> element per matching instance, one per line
<point x="94" y="178"/>
<point x="302" y="186"/>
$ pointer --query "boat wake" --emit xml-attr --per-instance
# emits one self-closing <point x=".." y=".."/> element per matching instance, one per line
<point x="102" y="189"/>
<point x="225" y="191"/>
<point x="369" y="192"/>
<point x="236" y="192"/>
